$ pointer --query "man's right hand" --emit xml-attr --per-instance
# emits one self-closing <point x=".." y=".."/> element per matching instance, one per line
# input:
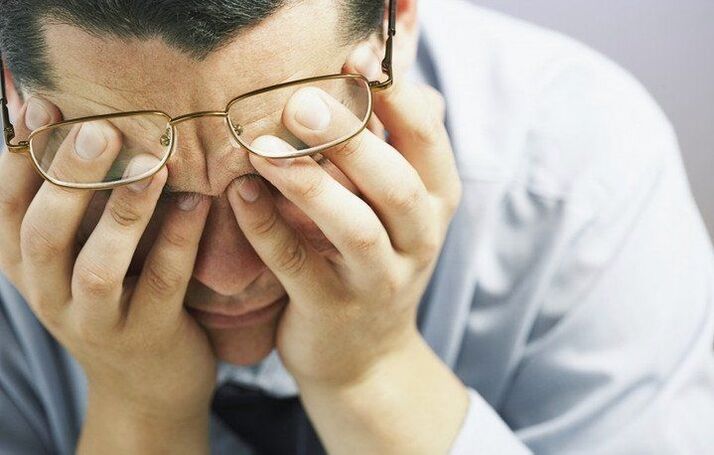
<point x="144" y="356"/>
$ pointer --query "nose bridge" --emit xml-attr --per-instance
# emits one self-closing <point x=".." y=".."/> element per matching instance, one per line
<point x="206" y="156"/>
<point x="195" y="115"/>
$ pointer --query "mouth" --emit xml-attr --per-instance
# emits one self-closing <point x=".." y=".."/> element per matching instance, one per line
<point x="226" y="320"/>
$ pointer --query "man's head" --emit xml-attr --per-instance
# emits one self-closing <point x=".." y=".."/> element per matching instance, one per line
<point x="179" y="56"/>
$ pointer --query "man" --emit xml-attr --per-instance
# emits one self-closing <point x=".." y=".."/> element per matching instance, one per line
<point x="570" y="309"/>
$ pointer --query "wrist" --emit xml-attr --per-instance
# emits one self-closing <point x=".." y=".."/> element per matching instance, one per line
<point x="408" y="402"/>
<point x="361" y="368"/>
<point x="116" y="426"/>
<point x="397" y="358"/>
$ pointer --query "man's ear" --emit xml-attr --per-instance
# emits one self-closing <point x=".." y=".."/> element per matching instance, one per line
<point x="407" y="40"/>
<point x="14" y="98"/>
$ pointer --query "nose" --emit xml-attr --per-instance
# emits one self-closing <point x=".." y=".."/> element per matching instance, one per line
<point x="226" y="262"/>
<point x="206" y="158"/>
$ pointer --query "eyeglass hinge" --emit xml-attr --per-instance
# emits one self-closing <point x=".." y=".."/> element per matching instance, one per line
<point x="9" y="132"/>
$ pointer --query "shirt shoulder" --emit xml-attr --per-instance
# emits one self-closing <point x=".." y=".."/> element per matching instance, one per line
<point x="532" y="106"/>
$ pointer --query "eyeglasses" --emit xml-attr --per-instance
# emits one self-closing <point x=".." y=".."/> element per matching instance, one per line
<point x="138" y="144"/>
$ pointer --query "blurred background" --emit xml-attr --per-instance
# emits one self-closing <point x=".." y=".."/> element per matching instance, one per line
<point x="668" y="45"/>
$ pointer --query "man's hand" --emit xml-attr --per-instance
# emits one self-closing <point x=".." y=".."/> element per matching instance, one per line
<point x="348" y="334"/>
<point x="145" y="358"/>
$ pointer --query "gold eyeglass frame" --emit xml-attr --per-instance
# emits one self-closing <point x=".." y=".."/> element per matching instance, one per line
<point x="24" y="147"/>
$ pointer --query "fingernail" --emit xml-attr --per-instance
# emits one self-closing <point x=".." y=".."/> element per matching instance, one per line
<point x="188" y="201"/>
<point x="249" y="189"/>
<point x="275" y="148"/>
<point x="312" y="112"/>
<point x="141" y="185"/>
<point x="37" y="115"/>
<point x="368" y="65"/>
<point x="91" y="141"/>
<point x="139" y="165"/>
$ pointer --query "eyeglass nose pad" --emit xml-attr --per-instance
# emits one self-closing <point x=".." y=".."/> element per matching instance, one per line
<point x="237" y="130"/>
<point x="166" y="138"/>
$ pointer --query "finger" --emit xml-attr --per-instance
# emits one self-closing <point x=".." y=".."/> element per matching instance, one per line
<point x="85" y="155"/>
<point x="414" y="117"/>
<point x="359" y="237"/>
<point x="377" y="128"/>
<point x="387" y="180"/>
<point x="102" y="264"/>
<point x="19" y="180"/>
<point x="298" y="266"/>
<point x="160" y="292"/>
<point x="50" y="226"/>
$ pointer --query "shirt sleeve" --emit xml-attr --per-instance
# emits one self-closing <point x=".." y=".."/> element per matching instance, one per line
<point x="484" y="432"/>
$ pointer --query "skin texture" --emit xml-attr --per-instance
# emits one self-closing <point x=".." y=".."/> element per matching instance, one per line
<point x="347" y="244"/>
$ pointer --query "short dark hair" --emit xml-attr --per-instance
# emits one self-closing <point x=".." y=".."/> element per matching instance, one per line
<point x="196" y="27"/>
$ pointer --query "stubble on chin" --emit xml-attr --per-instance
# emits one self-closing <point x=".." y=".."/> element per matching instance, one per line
<point x="244" y="346"/>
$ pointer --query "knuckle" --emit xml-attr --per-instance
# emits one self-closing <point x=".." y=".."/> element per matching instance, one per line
<point x="162" y="279"/>
<point x="94" y="282"/>
<point x="265" y="224"/>
<point x="391" y="286"/>
<point x="124" y="212"/>
<point x="365" y="241"/>
<point x="176" y="239"/>
<point x="429" y="248"/>
<point x="37" y="243"/>
<point x="350" y="148"/>
<point x="292" y="257"/>
<point x="425" y="134"/>
<point x="405" y="200"/>
<point x="310" y="188"/>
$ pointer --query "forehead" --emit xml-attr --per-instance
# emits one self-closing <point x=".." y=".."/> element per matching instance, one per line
<point x="101" y="72"/>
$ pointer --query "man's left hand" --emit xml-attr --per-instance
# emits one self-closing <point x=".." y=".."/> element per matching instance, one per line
<point x="348" y="311"/>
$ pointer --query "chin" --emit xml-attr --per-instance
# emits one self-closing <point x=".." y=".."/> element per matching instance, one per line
<point x="244" y="346"/>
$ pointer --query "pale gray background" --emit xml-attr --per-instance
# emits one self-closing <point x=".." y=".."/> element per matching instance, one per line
<point x="666" y="44"/>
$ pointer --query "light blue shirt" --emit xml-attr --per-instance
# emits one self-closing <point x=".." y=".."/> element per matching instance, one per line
<point x="575" y="292"/>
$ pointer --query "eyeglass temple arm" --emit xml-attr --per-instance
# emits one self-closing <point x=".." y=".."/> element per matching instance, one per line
<point x="387" y="62"/>
<point x="8" y="129"/>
